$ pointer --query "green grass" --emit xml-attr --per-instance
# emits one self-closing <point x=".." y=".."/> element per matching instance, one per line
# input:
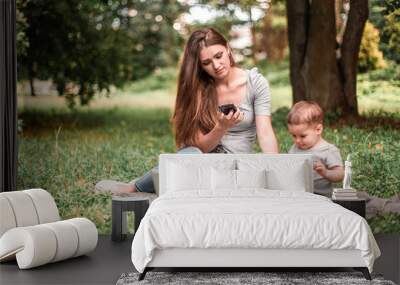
<point x="380" y="89"/>
<point x="66" y="153"/>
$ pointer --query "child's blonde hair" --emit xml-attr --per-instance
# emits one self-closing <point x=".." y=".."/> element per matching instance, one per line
<point x="305" y="112"/>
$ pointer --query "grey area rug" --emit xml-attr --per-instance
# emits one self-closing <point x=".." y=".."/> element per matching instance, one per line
<point x="230" y="278"/>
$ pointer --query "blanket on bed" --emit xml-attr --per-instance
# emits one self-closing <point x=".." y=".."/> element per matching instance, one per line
<point x="252" y="218"/>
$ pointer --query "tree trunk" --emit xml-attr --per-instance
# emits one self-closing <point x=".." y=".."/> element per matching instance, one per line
<point x="297" y="31"/>
<point x="320" y="70"/>
<point x="31" y="82"/>
<point x="315" y="71"/>
<point x="350" y="48"/>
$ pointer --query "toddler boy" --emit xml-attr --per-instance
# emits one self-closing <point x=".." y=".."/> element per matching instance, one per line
<point x="305" y="124"/>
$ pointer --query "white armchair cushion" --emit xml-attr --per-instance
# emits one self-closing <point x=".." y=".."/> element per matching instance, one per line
<point x="32" y="246"/>
<point x="66" y="237"/>
<point x="40" y="244"/>
<point x="7" y="220"/>
<point x="23" y="209"/>
<point x="87" y="234"/>
<point x="26" y="208"/>
<point x="45" y="205"/>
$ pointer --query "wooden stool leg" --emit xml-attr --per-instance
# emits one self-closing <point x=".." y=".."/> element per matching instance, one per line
<point x="117" y="220"/>
<point x="124" y="224"/>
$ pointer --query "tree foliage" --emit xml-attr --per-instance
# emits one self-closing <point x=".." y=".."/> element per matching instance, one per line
<point x="85" y="46"/>
<point x="21" y="23"/>
<point x="385" y="15"/>
<point x="391" y="32"/>
<point x="370" y="57"/>
<point x="246" y="7"/>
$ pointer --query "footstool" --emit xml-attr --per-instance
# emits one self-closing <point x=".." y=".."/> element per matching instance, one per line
<point x="135" y="202"/>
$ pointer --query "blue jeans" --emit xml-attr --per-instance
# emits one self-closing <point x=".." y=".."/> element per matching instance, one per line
<point x="145" y="183"/>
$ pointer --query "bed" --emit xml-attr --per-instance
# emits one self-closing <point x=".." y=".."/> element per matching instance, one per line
<point x="247" y="210"/>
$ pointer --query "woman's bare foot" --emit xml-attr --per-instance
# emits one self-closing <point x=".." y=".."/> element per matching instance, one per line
<point x="115" y="187"/>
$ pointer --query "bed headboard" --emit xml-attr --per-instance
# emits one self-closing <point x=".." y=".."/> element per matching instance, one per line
<point x="286" y="171"/>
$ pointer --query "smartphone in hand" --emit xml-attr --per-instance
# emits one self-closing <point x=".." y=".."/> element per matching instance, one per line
<point x="227" y="108"/>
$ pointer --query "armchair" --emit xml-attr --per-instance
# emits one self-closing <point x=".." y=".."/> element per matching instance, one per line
<point x="31" y="231"/>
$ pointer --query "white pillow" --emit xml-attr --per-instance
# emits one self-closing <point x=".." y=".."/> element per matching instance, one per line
<point x="227" y="179"/>
<point x="223" y="179"/>
<point x="183" y="177"/>
<point x="280" y="180"/>
<point x="251" y="178"/>
<point x="281" y="174"/>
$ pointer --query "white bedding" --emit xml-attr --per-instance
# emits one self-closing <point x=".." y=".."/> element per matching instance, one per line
<point x="251" y="218"/>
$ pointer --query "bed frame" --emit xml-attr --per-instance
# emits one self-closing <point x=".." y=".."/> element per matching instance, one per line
<point x="242" y="258"/>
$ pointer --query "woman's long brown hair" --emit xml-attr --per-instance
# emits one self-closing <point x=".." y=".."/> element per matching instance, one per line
<point x="196" y="99"/>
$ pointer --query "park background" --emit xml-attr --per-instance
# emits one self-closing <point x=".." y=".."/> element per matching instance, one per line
<point x="97" y="82"/>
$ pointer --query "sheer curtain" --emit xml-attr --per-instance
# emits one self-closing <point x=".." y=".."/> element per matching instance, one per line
<point x="8" y="98"/>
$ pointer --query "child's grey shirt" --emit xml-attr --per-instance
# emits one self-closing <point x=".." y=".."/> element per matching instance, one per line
<point x="241" y="137"/>
<point x="329" y="156"/>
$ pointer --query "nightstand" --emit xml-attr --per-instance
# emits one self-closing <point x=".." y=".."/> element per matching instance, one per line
<point x="357" y="205"/>
<point x="137" y="203"/>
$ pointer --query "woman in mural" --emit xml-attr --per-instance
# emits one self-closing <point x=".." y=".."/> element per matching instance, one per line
<point x="220" y="107"/>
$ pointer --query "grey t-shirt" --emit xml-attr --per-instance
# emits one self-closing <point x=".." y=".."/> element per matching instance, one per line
<point x="329" y="156"/>
<point x="241" y="137"/>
